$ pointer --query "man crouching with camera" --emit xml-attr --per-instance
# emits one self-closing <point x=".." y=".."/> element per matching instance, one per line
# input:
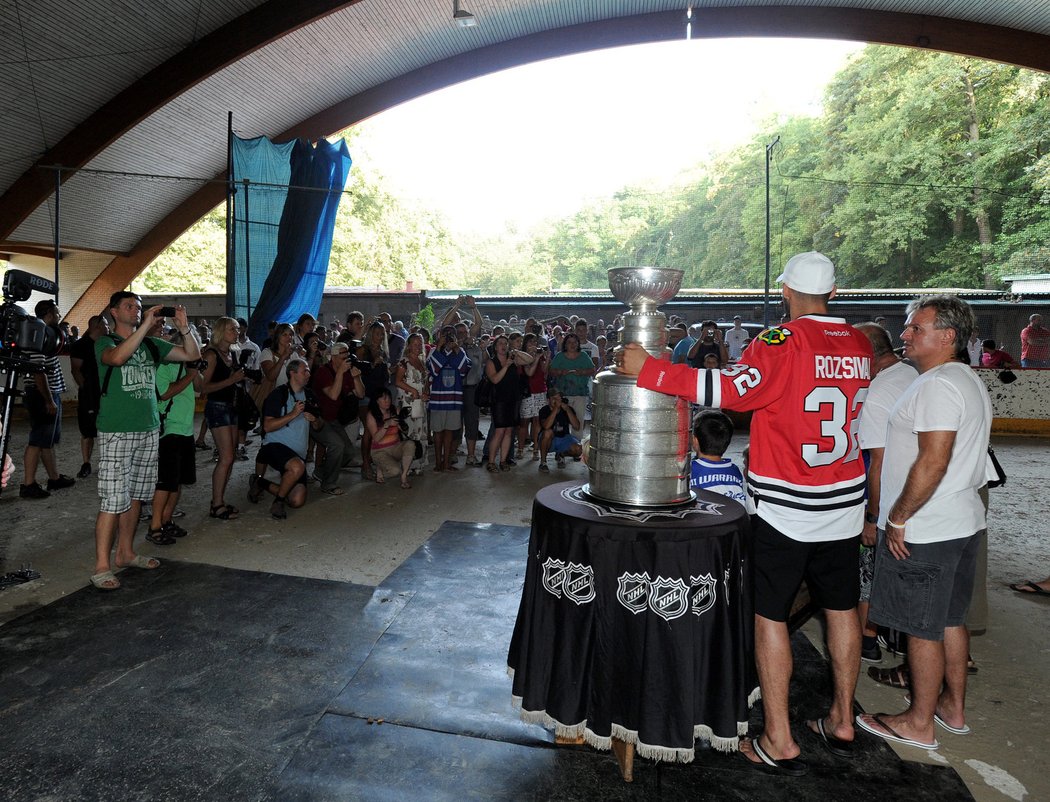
<point x="288" y="413"/>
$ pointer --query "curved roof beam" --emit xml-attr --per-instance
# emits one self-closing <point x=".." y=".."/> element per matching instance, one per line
<point x="979" y="40"/>
<point x="223" y="46"/>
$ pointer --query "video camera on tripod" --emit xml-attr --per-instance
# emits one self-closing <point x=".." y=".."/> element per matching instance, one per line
<point x="22" y="335"/>
<point x="20" y="331"/>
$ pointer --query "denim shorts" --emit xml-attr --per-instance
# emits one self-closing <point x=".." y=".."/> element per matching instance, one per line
<point x="926" y="592"/>
<point x="45" y="430"/>
<point x="564" y="443"/>
<point x="219" y="414"/>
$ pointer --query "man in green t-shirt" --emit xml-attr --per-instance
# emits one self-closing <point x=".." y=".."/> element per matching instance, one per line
<point x="128" y="423"/>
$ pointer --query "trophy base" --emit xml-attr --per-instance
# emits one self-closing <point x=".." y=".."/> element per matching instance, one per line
<point x="643" y="506"/>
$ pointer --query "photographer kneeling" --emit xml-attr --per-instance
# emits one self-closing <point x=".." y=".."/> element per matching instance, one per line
<point x="288" y="413"/>
<point x="339" y="388"/>
<point x="557" y="419"/>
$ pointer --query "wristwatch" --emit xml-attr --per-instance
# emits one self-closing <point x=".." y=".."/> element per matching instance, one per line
<point x="869" y="518"/>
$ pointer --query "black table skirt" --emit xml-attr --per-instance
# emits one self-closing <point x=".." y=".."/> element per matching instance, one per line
<point x="636" y="625"/>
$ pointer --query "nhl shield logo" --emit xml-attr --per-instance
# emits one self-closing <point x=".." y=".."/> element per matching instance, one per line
<point x="578" y="583"/>
<point x="668" y="598"/>
<point x="633" y="591"/>
<point x="704" y="589"/>
<point x="553" y="576"/>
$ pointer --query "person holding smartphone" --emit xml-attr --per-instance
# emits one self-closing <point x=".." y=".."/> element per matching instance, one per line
<point x="709" y="342"/>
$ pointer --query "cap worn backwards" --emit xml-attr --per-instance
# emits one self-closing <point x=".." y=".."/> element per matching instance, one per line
<point x="810" y="272"/>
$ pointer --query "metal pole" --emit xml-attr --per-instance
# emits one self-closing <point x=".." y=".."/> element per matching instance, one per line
<point x="247" y="252"/>
<point x="231" y="220"/>
<point x="765" y="297"/>
<point x="58" y="193"/>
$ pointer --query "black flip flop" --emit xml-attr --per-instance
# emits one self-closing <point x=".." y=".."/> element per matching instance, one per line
<point x="836" y="746"/>
<point x="789" y="767"/>
<point x="1032" y="589"/>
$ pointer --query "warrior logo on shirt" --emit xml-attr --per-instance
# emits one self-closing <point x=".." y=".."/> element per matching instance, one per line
<point x="775" y="336"/>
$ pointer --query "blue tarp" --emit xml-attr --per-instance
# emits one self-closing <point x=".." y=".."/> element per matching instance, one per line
<point x="268" y="168"/>
<point x="291" y="242"/>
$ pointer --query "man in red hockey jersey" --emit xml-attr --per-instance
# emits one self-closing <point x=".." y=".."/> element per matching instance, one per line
<point x="805" y="381"/>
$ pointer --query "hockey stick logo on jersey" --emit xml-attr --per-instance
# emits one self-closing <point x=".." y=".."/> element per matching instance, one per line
<point x="775" y="336"/>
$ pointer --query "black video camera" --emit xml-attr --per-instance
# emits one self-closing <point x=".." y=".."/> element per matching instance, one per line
<point x="251" y="374"/>
<point x="20" y="331"/>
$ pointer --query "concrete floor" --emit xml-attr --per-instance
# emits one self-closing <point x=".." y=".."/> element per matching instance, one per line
<point x="363" y="535"/>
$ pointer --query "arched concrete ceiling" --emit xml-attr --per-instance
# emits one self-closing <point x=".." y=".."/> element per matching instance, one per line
<point x="145" y="88"/>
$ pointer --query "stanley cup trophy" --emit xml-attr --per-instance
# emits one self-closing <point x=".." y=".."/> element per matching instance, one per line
<point x="638" y="454"/>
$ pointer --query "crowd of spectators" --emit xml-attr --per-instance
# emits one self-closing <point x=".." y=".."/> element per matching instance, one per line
<point x="368" y="394"/>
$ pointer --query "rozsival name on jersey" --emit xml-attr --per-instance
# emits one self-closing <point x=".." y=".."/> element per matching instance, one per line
<point x="841" y="367"/>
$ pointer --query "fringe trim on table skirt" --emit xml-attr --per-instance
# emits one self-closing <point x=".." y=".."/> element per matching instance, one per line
<point x="659" y="753"/>
<point x="663" y="754"/>
<point x="560" y="730"/>
<point x="754" y="696"/>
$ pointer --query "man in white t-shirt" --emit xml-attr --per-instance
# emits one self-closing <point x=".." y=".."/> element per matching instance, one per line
<point x="930" y="517"/>
<point x="890" y="378"/>
<point x="736" y="338"/>
<point x="581" y="327"/>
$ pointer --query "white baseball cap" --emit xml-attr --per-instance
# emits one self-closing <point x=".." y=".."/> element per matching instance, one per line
<point x="810" y="272"/>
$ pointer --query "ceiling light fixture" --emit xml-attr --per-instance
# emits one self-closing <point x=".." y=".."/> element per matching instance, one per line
<point x="689" y="21"/>
<point x="462" y="17"/>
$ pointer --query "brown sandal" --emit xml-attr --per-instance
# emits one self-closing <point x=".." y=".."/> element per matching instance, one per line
<point x="896" y="677"/>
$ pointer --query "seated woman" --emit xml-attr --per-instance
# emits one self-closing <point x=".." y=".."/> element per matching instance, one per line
<point x="390" y="453"/>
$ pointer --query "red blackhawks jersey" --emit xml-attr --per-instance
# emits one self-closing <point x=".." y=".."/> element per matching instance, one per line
<point x="806" y="382"/>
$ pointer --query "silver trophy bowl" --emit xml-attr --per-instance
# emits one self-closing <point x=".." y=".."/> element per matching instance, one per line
<point x="638" y="451"/>
<point x="644" y="288"/>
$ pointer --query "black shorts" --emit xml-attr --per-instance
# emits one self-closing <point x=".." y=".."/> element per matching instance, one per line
<point x="176" y="462"/>
<point x="87" y="415"/>
<point x="277" y="456"/>
<point x="829" y="568"/>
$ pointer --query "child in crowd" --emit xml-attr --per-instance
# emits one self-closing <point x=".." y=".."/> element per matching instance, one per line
<point x="712" y="432"/>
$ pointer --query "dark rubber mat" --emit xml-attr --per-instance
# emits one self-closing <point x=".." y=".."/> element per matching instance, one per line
<point x="198" y="682"/>
<point x="443" y="666"/>
<point x="190" y="682"/>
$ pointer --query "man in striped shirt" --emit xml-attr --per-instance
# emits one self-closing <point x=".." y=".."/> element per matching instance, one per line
<point x="43" y="402"/>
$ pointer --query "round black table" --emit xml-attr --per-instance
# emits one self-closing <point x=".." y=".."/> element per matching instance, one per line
<point x="636" y="626"/>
